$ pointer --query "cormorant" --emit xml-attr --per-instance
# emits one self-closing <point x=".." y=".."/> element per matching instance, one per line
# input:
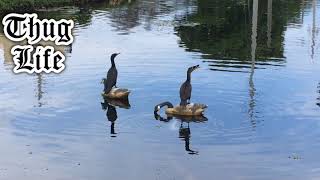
<point x="186" y="88"/>
<point x="111" y="76"/>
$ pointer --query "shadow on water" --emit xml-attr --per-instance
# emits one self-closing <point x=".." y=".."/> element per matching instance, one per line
<point x="184" y="132"/>
<point x="110" y="105"/>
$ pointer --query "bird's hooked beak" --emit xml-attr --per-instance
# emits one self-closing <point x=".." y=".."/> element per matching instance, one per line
<point x="195" y="67"/>
<point x="114" y="55"/>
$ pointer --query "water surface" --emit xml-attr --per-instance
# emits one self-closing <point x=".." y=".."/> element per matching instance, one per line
<point x="259" y="75"/>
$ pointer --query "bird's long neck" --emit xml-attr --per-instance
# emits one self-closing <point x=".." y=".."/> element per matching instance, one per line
<point x="112" y="62"/>
<point x="188" y="76"/>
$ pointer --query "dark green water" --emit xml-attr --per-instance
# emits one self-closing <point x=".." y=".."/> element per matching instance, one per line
<point x="259" y="75"/>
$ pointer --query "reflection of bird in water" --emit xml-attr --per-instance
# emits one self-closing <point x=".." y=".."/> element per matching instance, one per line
<point x="110" y="106"/>
<point x="184" y="133"/>
<point x="68" y="48"/>
<point x="318" y="103"/>
<point x="39" y="89"/>
<point x="112" y="117"/>
<point x="186" y="88"/>
<point x="112" y="75"/>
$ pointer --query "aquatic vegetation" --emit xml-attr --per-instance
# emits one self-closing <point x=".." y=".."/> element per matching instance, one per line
<point x="29" y="5"/>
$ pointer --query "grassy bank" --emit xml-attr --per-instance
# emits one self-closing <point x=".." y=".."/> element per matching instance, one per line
<point x="30" y="5"/>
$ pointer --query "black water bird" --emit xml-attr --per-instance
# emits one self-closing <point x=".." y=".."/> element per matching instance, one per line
<point x="112" y="75"/>
<point x="186" y="87"/>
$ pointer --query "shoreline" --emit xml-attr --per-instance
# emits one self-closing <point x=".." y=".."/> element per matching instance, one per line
<point x="9" y="6"/>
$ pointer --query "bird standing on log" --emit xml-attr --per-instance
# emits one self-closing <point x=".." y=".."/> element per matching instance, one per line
<point x="186" y="87"/>
<point x="112" y="75"/>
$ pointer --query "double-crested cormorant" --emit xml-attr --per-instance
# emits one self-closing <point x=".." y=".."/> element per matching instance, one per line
<point x="186" y="88"/>
<point x="112" y="75"/>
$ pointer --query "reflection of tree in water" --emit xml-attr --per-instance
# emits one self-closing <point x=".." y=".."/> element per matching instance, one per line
<point x="126" y="17"/>
<point x="314" y="30"/>
<point x="84" y="15"/>
<point x="118" y="2"/>
<point x="239" y="36"/>
<point x="252" y="90"/>
<point x="222" y="32"/>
